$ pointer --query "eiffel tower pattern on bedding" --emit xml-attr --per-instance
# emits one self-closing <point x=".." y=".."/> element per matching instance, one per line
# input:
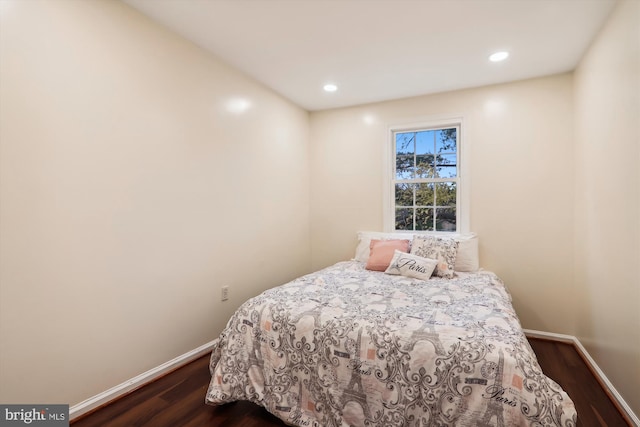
<point x="345" y="346"/>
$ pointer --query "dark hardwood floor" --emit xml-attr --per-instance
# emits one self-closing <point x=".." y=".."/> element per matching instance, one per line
<point x="562" y="363"/>
<point x="177" y="399"/>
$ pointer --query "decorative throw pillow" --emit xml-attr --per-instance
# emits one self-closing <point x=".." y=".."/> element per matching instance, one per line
<point x="442" y="249"/>
<point x="411" y="266"/>
<point x="364" y="242"/>
<point x="381" y="253"/>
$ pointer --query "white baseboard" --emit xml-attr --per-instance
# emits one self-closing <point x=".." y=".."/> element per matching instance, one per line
<point x="593" y="365"/>
<point x="121" y="389"/>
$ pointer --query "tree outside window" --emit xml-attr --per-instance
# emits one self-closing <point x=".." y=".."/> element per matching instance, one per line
<point x="426" y="179"/>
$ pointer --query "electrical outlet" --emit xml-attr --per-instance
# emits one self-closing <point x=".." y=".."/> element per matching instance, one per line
<point x="224" y="294"/>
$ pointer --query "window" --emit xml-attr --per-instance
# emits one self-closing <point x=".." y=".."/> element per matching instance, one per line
<point x="424" y="184"/>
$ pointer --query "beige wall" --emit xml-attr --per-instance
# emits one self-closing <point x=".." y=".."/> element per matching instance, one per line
<point x="130" y="195"/>
<point x="519" y="140"/>
<point x="607" y="231"/>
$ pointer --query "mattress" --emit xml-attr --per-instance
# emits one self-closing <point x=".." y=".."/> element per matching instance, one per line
<point x="346" y="346"/>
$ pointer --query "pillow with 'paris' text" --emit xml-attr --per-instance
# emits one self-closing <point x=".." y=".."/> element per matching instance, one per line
<point x="409" y="265"/>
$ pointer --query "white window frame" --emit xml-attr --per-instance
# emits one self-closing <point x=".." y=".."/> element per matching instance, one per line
<point x="462" y="181"/>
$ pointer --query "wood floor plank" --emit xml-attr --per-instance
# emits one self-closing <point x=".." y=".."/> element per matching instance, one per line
<point x="177" y="399"/>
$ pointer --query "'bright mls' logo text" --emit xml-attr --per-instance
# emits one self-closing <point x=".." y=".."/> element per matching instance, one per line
<point x="37" y="415"/>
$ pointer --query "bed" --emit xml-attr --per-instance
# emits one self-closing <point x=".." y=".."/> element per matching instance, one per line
<point x="348" y="346"/>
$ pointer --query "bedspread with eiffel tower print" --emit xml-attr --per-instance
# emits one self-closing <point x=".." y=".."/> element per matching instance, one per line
<point x="350" y="347"/>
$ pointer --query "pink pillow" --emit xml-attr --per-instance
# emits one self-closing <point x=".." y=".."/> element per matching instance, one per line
<point x="382" y="251"/>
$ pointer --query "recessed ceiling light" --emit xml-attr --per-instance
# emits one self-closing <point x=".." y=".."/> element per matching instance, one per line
<point x="238" y="105"/>
<point x="330" y="87"/>
<point x="499" y="56"/>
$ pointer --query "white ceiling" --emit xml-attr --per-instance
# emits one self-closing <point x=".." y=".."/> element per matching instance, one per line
<point x="376" y="50"/>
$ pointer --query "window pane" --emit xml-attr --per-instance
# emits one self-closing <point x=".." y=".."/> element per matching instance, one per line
<point x="404" y="219"/>
<point x="425" y="142"/>
<point x="404" y="167"/>
<point x="424" y="219"/>
<point x="446" y="140"/>
<point x="446" y="160"/>
<point x="424" y="195"/>
<point x="446" y="219"/>
<point x="446" y="194"/>
<point x="404" y="194"/>
<point x="405" y="143"/>
<point x="446" y="166"/>
<point x="446" y="171"/>
<point x="424" y="166"/>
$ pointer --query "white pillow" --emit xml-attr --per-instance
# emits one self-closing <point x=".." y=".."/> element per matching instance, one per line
<point x="466" y="261"/>
<point x="409" y="265"/>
